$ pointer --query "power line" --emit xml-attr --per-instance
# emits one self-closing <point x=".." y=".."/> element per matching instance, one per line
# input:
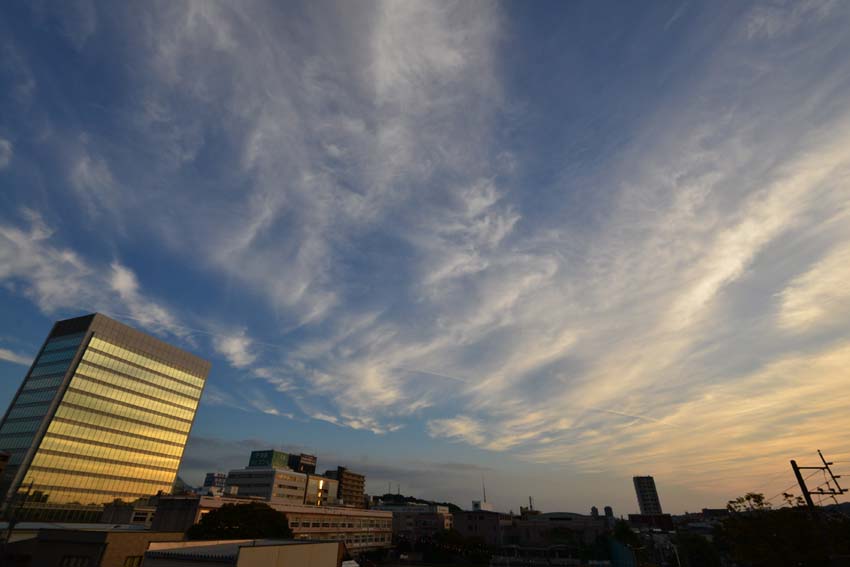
<point x="818" y="491"/>
<point x="785" y="491"/>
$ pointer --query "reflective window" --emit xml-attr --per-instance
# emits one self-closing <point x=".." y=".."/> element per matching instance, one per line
<point x="119" y="430"/>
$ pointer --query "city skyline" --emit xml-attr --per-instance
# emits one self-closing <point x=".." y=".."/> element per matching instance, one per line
<point x="557" y="245"/>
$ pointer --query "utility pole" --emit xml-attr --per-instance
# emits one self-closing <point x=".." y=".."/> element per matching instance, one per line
<point x="831" y="491"/>
<point x="802" y="482"/>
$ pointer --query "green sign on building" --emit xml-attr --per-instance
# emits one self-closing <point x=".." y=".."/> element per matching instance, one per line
<point x="276" y="459"/>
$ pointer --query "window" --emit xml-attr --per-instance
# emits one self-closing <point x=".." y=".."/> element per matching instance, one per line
<point x="75" y="561"/>
<point x="133" y="561"/>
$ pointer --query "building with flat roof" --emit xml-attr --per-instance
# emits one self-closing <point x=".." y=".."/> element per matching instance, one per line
<point x="284" y="484"/>
<point x="414" y="521"/>
<point x="269" y="458"/>
<point x="550" y="528"/>
<point x="482" y="524"/>
<point x="647" y="496"/>
<point x="102" y="414"/>
<point x="215" y="480"/>
<point x="361" y="530"/>
<point x="41" y="544"/>
<point x="246" y="553"/>
<point x="351" y="486"/>
<point x="303" y="463"/>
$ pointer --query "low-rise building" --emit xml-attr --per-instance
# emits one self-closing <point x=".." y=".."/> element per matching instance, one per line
<point x="245" y="553"/>
<point x="139" y="513"/>
<point x="413" y="522"/>
<point x="283" y="483"/>
<point x="553" y="528"/>
<point x="360" y="529"/>
<point x="93" y="545"/>
<point x="482" y="524"/>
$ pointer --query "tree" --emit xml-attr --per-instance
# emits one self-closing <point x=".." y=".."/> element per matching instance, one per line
<point x="239" y="521"/>
<point x="757" y="536"/>
<point x="750" y="502"/>
<point x="696" y="551"/>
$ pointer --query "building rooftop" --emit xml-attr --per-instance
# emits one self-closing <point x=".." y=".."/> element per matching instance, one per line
<point x="219" y="550"/>
<point x="279" y="504"/>
<point x="36" y="526"/>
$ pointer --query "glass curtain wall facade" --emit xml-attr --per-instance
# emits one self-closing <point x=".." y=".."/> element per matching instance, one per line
<point x="103" y="415"/>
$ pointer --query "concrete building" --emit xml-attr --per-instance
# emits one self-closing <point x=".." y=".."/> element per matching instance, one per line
<point x="139" y="513"/>
<point x="647" y="496"/>
<point x="284" y="484"/>
<point x="360" y="530"/>
<point x="102" y="414"/>
<point x="544" y="529"/>
<point x="245" y="553"/>
<point x="482" y="524"/>
<point x="303" y="463"/>
<point x="413" y="521"/>
<point x="269" y="459"/>
<point x="38" y="544"/>
<point x="351" y="486"/>
<point x="215" y="480"/>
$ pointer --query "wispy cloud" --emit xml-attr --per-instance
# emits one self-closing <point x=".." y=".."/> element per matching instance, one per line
<point x="10" y="356"/>
<point x="58" y="279"/>
<point x="6" y="152"/>
<point x="819" y="297"/>
<point x="422" y="230"/>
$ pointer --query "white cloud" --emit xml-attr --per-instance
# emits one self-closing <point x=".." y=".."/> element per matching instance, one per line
<point x="94" y="185"/>
<point x="820" y="296"/>
<point x="9" y="356"/>
<point x="236" y="347"/>
<point x="142" y="309"/>
<point x="57" y="278"/>
<point x="460" y="428"/>
<point x="6" y="153"/>
<point x="770" y="21"/>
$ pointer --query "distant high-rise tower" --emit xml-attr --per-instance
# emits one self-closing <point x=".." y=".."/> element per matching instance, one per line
<point x="647" y="496"/>
<point x="103" y="414"/>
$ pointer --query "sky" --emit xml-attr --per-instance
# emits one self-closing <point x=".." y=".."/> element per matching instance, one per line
<point x="550" y="245"/>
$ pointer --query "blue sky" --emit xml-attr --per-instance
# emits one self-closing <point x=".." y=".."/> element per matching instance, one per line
<point x="553" y="244"/>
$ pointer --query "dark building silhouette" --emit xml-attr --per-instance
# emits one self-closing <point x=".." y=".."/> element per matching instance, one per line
<point x="647" y="496"/>
<point x="215" y="480"/>
<point x="303" y="463"/>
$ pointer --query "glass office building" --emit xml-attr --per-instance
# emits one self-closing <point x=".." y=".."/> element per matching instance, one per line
<point x="102" y="415"/>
